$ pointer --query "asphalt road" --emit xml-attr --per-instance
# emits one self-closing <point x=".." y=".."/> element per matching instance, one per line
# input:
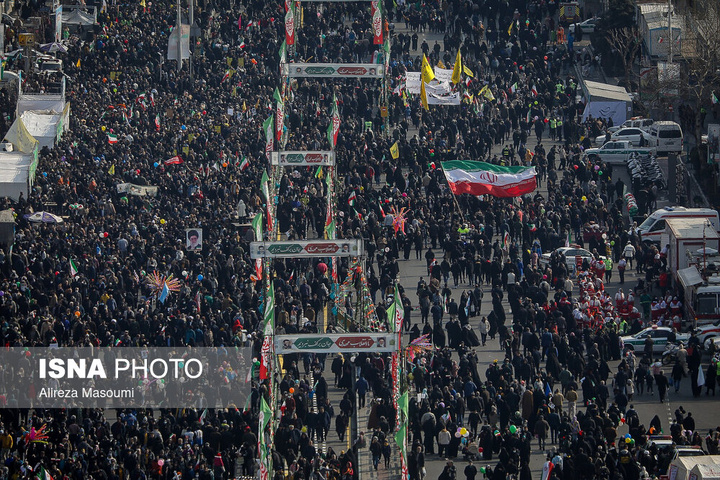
<point x="704" y="409"/>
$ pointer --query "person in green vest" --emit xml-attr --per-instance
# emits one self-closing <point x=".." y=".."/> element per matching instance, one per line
<point x="608" y="269"/>
<point x="559" y="130"/>
<point x="645" y="300"/>
<point x="553" y="126"/>
<point x="624" y="327"/>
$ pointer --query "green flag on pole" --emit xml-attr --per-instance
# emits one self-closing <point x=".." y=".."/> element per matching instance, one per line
<point x="269" y="314"/>
<point x="266" y="414"/>
<point x="264" y="418"/>
<point x="283" y="52"/>
<point x="257" y="226"/>
<point x="330" y="230"/>
<point x="400" y="437"/>
<point x="276" y="96"/>
<point x="264" y="181"/>
<point x="334" y="127"/>
<point x="396" y="312"/>
<point x="403" y="404"/>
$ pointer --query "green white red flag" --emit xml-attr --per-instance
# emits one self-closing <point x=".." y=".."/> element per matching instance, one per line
<point x="480" y="178"/>
<point x="269" y="138"/>
<point x="334" y="127"/>
<point x="290" y="26"/>
<point x="279" y="114"/>
<point x="377" y="21"/>
<point x="264" y="417"/>
<point x="396" y="312"/>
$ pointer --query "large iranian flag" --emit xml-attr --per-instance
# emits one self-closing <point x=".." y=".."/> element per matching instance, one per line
<point x="480" y="178"/>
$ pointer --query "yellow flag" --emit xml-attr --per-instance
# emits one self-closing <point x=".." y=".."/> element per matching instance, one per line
<point x="112" y="170"/>
<point x="426" y="71"/>
<point x="440" y="64"/>
<point x="468" y="72"/>
<point x="457" y="68"/>
<point x="395" y="151"/>
<point x="78" y="63"/>
<point x="510" y="28"/>
<point x="423" y="96"/>
<point x="485" y="92"/>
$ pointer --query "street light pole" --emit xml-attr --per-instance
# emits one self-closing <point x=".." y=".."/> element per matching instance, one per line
<point x="670" y="35"/>
<point x="191" y="15"/>
<point x="178" y="26"/>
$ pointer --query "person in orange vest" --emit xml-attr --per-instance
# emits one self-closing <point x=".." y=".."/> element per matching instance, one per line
<point x="561" y="35"/>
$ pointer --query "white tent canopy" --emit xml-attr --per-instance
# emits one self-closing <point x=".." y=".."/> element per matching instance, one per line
<point x="41" y="120"/>
<point x="78" y="17"/>
<point x="606" y="101"/>
<point x="21" y="139"/>
<point x="705" y="472"/>
<point x="15" y="168"/>
<point x="681" y="467"/>
<point x="50" y="103"/>
<point x="43" y="125"/>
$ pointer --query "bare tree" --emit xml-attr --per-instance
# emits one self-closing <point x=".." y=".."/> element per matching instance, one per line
<point x="702" y="57"/>
<point x="625" y="42"/>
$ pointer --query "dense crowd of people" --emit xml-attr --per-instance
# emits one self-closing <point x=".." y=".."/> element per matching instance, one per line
<point x="82" y="282"/>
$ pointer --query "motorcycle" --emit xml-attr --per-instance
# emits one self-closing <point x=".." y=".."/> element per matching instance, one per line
<point x="670" y="355"/>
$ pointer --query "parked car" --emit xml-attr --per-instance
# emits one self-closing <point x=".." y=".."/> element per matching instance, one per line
<point x="671" y="451"/>
<point x="570" y="254"/>
<point x="659" y="336"/>
<point x="634" y="122"/>
<point x="617" y="152"/>
<point x="632" y="134"/>
<point x="588" y="26"/>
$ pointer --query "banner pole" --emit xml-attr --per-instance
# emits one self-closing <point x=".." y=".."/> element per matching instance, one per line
<point x="457" y="205"/>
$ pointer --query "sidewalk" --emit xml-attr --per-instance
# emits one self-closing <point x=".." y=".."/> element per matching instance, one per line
<point x="367" y="472"/>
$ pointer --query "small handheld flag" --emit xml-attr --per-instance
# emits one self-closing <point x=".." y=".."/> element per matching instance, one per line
<point x="164" y="293"/>
<point x="395" y="151"/>
<point x="73" y="268"/>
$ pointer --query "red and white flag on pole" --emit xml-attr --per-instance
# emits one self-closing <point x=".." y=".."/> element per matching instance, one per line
<point x="547" y="470"/>
<point x="265" y="358"/>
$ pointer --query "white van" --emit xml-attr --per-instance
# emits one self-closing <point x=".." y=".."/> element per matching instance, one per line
<point x="666" y="137"/>
<point x="652" y="229"/>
